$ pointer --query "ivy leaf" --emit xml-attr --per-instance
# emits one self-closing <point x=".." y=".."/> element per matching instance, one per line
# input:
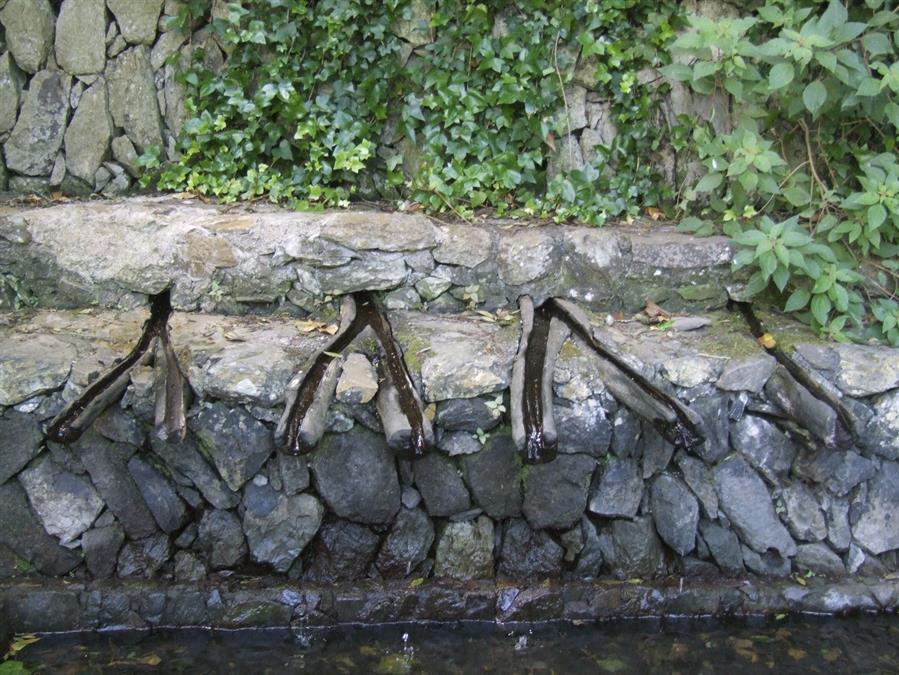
<point x="797" y="300"/>
<point x="814" y="96"/>
<point x="709" y="182"/>
<point x="780" y="76"/>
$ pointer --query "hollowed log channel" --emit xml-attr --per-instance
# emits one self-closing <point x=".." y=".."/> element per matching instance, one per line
<point x="847" y="433"/>
<point x="678" y="425"/>
<point x="365" y="314"/>
<point x="71" y="423"/>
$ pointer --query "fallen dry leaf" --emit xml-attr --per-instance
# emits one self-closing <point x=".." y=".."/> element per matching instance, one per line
<point x="653" y="311"/>
<point x="654" y="213"/>
<point x="767" y="341"/>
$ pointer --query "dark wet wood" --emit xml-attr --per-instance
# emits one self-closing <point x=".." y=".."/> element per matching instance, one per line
<point x="367" y="314"/>
<point x="68" y="426"/>
<point x="845" y="418"/>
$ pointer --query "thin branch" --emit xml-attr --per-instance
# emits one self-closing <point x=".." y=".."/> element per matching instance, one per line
<point x="811" y="161"/>
<point x="564" y="97"/>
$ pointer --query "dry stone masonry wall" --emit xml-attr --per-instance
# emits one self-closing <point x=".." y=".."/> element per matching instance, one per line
<point x="85" y="88"/>
<point x="763" y="495"/>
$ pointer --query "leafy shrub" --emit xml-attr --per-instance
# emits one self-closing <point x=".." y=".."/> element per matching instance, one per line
<point x="805" y="179"/>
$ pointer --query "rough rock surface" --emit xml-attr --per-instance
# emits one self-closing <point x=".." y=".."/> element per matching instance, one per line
<point x="279" y="527"/>
<point x="237" y="443"/>
<point x="160" y="495"/>
<point x="136" y="19"/>
<point x="66" y="504"/>
<point x="675" y="512"/>
<point x="407" y="544"/>
<point x="631" y="548"/>
<point x="81" y="36"/>
<point x="358" y="381"/>
<point x="101" y="547"/>
<point x="87" y="138"/>
<point x="619" y="490"/>
<point x="20" y="441"/>
<point x="356" y="476"/>
<point x="745" y="500"/>
<point x="494" y="476"/>
<point x="37" y="137"/>
<point x="441" y="486"/>
<point x="29" y="31"/>
<point x="877" y="526"/>
<point x="107" y="464"/>
<point x="527" y="554"/>
<point x="21" y="531"/>
<point x="465" y="550"/>
<point x="555" y="494"/>
<point x="221" y="539"/>
<point x="132" y="96"/>
<point x="144" y="557"/>
<point x="11" y="80"/>
<point x="342" y="551"/>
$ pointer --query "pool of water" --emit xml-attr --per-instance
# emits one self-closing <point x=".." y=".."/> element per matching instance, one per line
<point x="866" y="644"/>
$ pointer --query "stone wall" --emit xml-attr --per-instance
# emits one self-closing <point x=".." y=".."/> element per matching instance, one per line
<point x="242" y="260"/>
<point x="85" y="89"/>
<point x="87" y="85"/>
<point x="762" y="496"/>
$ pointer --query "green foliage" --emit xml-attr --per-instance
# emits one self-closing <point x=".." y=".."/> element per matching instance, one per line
<point x="802" y="171"/>
<point x="321" y="102"/>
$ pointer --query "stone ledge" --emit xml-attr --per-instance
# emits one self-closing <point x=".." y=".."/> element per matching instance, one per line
<point x="233" y="259"/>
<point x="618" y="500"/>
<point x="54" y="605"/>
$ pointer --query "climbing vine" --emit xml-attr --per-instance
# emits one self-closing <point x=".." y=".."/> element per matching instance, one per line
<point x="451" y="105"/>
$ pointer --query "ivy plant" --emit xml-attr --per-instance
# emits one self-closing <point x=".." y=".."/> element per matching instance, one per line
<point x="321" y="102"/>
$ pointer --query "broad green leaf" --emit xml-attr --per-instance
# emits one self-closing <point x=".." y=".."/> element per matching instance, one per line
<point x="767" y="263"/>
<point x="876" y="215"/>
<point x="677" y="71"/>
<point x="781" y="276"/>
<point x="814" y="96"/>
<point x="870" y="87"/>
<point x="796" y="238"/>
<point x="757" y="283"/>
<point x="823" y="284"/>
<point x="709" y="182"/>
<point x="876" y="44"/>
<point x="797" y="196"/>
<point x="780" y="76"/>
<point x="891" y="110"/>
<point x="834" y="16"/>
<point x="750" y="238"/>
<point x="783" y="255"/>
<point x="849" y="31"/>
<point x="705" y="68"/>
<point x="749" y="180"/>
<point x="797" y="300"/>
<point x="821" y="308"/>
<point x="840" y="297"/>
